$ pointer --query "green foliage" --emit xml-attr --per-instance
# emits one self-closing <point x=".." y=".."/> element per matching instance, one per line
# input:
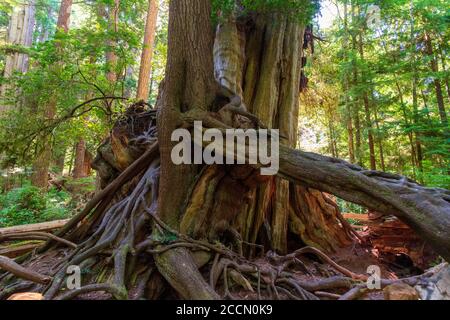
<point x="29" y="204"/>
<point x="301" y="10"/>
<point x="68" y="69"/>
<point x="345" y="206"/>
<point x="401" y="117"/>
<point x="80" y="186"/>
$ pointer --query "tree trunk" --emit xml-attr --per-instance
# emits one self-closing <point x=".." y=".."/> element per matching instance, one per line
<point x="356" y="100"/>
<point x="60" y="161"/>
<point x="379" y="140"/>
<point x="414" y="91"/>
<point x="20" y="32"/>
<point x="437" y="82"/>
<point x="39" y="177"/>
<point x="41" y="165"/>
<point x="64" y="15"/>
<point x="112" y="16"/>
<point x="147" y="51"/>
<point x="443" y="63"/>
<point x="79" y="166"/>
<point x="373" y="164"/>
<point x="349" y="121"/>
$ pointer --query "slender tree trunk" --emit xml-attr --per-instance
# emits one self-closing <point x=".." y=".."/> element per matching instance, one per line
<point x="350" y="143"/>
<point x="111" y="58"/>
<point x="64" y="15"/>
<point x="20" y="32"/>
<point x="147" y="51"/>
<point x="373" y="164"/>
<point x="414" y="90"/>
<point x="356" y="101"/>
<point x="60" y="161"/>
<point x="443" y="62"/>
<point x="358" y="146"/>
<point x="379" y="140"/>
<point x="79" y="166"/>
<point x="349" y="121"/>
<point x="437" y="82"/>
<point x="331" y="139"/>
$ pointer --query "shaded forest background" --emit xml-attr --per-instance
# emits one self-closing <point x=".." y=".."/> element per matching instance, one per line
<point x="377" y="92"/>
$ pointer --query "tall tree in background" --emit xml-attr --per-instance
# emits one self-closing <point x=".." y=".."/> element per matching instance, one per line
<point x="365" y="96"/>
<point x="79" y="169"/>
<point x="20" y="34"/>
<point x="346" y="86"/>
<point x="111" y="14"/>
<point x="39" y="177"/>
<point x="437" y="83"/>
<point x="147" y="51"/>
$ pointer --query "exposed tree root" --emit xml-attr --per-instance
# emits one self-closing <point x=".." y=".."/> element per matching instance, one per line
<point x="21" y="272"/>
<point x="37" y="236"/>
<point x="91" y="288"/>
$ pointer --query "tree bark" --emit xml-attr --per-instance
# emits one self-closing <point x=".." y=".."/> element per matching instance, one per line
<point x="79" y="166"/>
<point x="60" y="161"/>
<point x="437" y="83"/>
<point x="379" y="140"/>
<point x="111" y="57"/>
<point x="20" y="32"/>
<point x="414" y="90"/>
<point x="64" y="15"/>
<point x="373" y="164"/>
<point x="349" y="120"/>
<point x="189" y="87"/>
<point x="147" y="51"/>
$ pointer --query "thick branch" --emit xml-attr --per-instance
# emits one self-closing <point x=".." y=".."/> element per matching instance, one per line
<point x="426" y="210"/>
<point x="19" y="271"/>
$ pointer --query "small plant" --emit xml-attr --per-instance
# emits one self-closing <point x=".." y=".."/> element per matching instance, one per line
<point x="29" y="204"/>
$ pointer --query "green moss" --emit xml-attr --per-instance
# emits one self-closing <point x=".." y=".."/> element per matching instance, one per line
<point x="301" y="10"/>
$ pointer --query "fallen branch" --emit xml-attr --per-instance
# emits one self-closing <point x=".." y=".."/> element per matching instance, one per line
<point x="36" y="236"/>
<point x="21" y="272"/>
<point x="425" y="210"/>
<point x="41" y="227"/>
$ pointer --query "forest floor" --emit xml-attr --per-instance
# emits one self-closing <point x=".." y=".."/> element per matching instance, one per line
<point x="356" y="258"/>
<point x="384" y="242"/>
